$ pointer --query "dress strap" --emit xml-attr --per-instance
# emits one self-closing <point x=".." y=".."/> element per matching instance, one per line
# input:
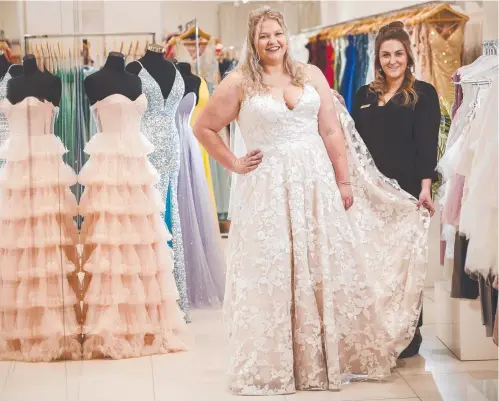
<point x="8" y="69"/>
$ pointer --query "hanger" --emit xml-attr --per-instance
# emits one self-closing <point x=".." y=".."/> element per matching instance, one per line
<point x="191" y="32"/>
<point x="445" y="13"/>
<point x="192" y="42"/>
<point x="431" y="13"/>
<point x="136" y="50"/>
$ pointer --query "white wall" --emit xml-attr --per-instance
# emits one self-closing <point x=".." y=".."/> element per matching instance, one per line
<point x="174" y="13"/>
<point x="9" y="21"/>
<point x="333" y="12"/>
<point x="234" y="20"/>
<point x="490" y="22"/>
<point x="63" y="17"/>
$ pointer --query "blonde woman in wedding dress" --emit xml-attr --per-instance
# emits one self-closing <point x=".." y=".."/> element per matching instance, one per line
<point x="326" y="256"/>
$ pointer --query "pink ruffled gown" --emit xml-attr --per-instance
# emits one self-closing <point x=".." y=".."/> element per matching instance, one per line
<point x="38" y="259"/>
<point x="130" y="295"/>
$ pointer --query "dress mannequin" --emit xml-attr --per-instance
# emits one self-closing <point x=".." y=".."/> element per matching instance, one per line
<point x="112" y="79"/>
<point x="164" y="88"/>
<point x="192" y="82"/>
<point x="157" y="66"/>
<point x="34" y="83"/>
<point x="16" y="70"/>
<point x="4" y="65"/>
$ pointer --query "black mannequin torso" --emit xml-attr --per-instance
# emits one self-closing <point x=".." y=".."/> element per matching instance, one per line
<point x="16" y="70"/>
<point x="158" y="67"/>
<point x="4" y="65"/>
<point x="192" y="82"/>
<point x="34" y="83"/>
<point x="112" y="79"/>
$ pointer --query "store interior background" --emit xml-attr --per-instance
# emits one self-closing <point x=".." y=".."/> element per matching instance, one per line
<point x="227" y="20"/>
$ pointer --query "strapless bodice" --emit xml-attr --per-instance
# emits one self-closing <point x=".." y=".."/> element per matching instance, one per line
<point x="30" y="117"/>
<point x="118" y="114"/>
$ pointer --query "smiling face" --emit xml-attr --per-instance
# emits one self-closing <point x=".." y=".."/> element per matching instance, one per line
<point x="393" y="59"/>
<point x="270" y="42"/>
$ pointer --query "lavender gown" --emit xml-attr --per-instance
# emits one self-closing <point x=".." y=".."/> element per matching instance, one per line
<point x="204" y="257"/>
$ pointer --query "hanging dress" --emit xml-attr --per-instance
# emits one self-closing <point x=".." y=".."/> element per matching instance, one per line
<point x="220" y="176"/>
<point x="39" y="309"/>
<point x="183" y="55"/>
<point x="446" y="56"/>
<point x="130" y="294"/>
<point x="204" y="96"/>
<point x="158" y="126"/>
<point x="204" y="256"/>
<point x="348" y="83"/>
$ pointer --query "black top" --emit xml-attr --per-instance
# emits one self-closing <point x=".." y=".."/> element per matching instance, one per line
<point x="191" y="81"/>
<point x="112" y="79"/>
<point x="4" y="65"/>
<point x="34" y="83"/>
<point x="403" y="140"/>
<point x="162" y="70"/>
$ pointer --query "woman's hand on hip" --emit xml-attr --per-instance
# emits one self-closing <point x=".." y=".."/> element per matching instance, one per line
<point x="248" y="163"/>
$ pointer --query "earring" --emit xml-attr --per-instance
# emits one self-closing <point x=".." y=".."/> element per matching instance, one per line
<point x="257" y="58"/>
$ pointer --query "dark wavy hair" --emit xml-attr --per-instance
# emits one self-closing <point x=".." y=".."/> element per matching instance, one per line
<point x="395" y="31"/>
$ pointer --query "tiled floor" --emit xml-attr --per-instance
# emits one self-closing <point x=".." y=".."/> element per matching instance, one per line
<point x="198" y="375"/>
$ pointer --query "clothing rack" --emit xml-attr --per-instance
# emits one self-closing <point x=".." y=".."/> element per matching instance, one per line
<point x="489" y="47"/>
<point x="413" y="15"/>
<point x="373" y="16"/>
<point x="479" y="82"/>
<point x="28" y="37"/>
<point x="188" y="25"/>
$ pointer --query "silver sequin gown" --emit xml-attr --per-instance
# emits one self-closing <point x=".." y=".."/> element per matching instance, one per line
<point x="158" y="125"/>
<point x="4" y="126"/>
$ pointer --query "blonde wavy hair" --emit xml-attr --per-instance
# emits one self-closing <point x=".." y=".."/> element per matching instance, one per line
<point x="251" y="68"/>
<point x="395" y="31"/>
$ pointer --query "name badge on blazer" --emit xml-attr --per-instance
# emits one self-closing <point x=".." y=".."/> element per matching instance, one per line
<point x="365" y="106"/>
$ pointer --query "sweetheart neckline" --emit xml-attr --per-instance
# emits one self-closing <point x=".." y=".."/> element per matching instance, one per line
<point x="44" y="101"/>
<point x="142" y="95"/>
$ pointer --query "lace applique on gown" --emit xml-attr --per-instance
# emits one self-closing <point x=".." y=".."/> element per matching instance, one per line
<point x="130" y="293"/>
<point x="307" y="280"/>
<point x="38" y="259"/>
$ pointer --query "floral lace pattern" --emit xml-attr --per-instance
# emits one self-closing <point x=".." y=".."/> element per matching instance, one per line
<point x="317" y="296"/>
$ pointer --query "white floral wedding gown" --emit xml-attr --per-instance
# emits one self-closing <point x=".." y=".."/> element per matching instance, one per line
<point x="317" y="296"/>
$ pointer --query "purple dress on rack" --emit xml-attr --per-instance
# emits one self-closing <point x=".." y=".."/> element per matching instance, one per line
<point x="204" y="257"/>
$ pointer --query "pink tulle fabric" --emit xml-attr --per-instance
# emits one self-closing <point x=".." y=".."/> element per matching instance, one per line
<point x="452" y="206"/>
<point x="39" y="308"/>
<point x="130" y="296"/>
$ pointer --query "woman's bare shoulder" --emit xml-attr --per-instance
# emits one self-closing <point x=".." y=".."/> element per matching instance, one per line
<point x="234" y="78"/>
<point x="312" y="72"/>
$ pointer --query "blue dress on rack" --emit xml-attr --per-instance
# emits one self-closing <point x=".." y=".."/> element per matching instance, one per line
<point x="348" y="84"/>
<point x="158" y="125"/>
<point x="363" y="61"/>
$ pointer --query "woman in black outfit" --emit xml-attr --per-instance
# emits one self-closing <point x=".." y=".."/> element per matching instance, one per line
<point x="398" y="117"/>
